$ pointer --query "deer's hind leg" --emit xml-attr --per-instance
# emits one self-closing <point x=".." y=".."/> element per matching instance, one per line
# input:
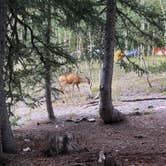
<point x="62" y="88"/>
<point x="72" y="91"/>
<point x="78" y="90"/>
<point x="78" y="87"/>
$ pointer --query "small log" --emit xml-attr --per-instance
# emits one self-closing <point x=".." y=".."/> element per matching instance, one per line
<point x="61" y="143"/>
<point x="93" y="102"/>
<point x="144" y="99"/>
<point x="46" y="122"/>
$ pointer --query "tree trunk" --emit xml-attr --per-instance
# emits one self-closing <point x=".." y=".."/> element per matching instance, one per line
<point x="90" y="59"/>
<point x="142" y="47"/>
<point x="50" y="111"/>
<point x="48" y="69"/>
<point x="149" y="45"/>
<point x="8" y="144"/>
<point x="126" y="40"/>
<point x="0" y="140"/>
<point x="106" y="110"/>
<point x="69" y="37"/>
<point x="164" y="14"/>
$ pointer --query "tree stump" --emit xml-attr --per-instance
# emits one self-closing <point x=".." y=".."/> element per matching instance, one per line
<point x="61" y="143"/>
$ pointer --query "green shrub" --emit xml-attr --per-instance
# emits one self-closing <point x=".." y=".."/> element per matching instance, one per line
<point x="158" y="68"/>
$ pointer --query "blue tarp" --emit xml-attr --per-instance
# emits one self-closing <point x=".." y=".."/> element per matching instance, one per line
<point x="132" y="52"/>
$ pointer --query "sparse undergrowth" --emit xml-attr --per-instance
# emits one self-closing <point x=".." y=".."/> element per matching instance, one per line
<point x="138" y="141"/>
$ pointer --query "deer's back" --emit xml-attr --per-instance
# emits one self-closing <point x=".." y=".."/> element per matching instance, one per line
<point x="69" y="79"/>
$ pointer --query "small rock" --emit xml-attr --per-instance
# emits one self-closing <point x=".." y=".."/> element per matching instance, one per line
<point x="27" y="149"/>
<point x="150" y="106"/>
<point x="101" y="157"/>
<point x="138" y="136"/>
<point x="147" y="112"/>
<point x="69" y="120"/>
<point x="84" y="119"/>
<point x="136" y="108"/>
<point x="27" y="140"/>
<point x="91" y="120"/>
<point x="137" y="113"/>
<point x="77" y="121"/>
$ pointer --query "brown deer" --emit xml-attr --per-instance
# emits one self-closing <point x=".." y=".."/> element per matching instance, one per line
<point x="73" y="79"/>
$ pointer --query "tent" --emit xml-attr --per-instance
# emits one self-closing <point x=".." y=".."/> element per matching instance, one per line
<point x="132" y="53"/>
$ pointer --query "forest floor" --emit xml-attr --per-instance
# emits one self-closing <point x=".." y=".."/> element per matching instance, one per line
<point x="140" y="140"/>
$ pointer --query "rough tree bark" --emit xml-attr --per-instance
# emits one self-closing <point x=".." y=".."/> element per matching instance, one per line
<point x="142" y="47"/>
<point x="47" y="67"/>
<point x="0" y="140"/>
<point x="8" y="144"/>
<point x="107" y="112"/>
<point x="50" y="111"/>
<point x="164" y="15"/>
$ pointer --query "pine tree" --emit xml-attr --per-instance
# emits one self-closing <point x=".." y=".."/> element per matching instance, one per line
<point x="107" y="112"/>
<point x="8" y="144"/>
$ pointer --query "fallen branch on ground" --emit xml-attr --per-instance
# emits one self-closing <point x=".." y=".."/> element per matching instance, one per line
<point x="144" y="99"/>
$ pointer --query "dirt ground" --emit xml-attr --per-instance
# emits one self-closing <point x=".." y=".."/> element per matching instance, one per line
<point x="140" y="140"/>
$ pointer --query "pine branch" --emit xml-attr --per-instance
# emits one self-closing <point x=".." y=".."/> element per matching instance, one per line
<point x="53" y="49"/>
<point x="139" y="9"/>
<point x="121" y="14"/>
